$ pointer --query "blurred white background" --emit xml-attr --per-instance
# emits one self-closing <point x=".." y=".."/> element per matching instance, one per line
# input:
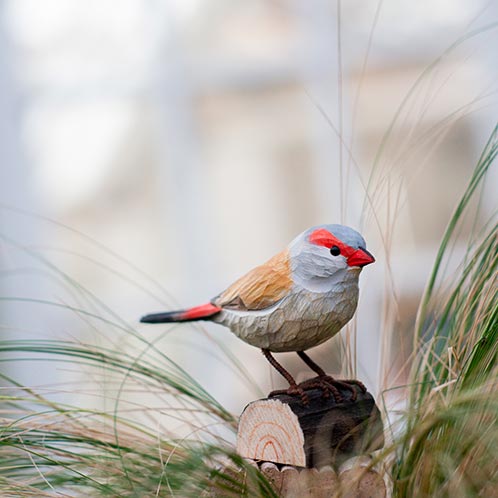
<point x="194" y="139"/>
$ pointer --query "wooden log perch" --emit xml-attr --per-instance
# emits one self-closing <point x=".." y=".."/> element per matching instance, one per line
<point x="283" y="430"/>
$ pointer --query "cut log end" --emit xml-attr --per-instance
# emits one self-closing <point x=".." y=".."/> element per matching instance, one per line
<point x="284" y="431"/>
<point x="270" y="431"/>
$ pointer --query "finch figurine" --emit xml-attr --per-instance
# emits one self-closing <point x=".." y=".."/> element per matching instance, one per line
<point x="298" y="299"/>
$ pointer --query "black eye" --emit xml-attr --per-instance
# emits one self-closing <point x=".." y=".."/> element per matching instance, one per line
<point x="335" y="251"/>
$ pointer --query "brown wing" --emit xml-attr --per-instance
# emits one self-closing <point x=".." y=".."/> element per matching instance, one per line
<point x="261" y="287"/>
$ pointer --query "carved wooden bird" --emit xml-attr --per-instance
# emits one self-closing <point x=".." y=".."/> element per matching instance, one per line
<point x="298" y="299"/>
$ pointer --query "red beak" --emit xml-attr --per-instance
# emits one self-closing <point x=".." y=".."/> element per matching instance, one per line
<point x="361" y="257"/>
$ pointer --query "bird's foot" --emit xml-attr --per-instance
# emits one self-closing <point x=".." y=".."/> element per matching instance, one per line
<point x="331" y="386"/>
<point x="353" y="382"/>
<point x="328" y="385"/>
<point x="293" y="390"/>
<point x="324" y="383"/>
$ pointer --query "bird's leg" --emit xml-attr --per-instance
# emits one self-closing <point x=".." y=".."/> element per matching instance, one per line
<point x="281" y="370"/>
<point x="328" y="383"/>
<point x="323" y="381"/>
<point x="311" y="364"/>
<point x="293" y="387"/>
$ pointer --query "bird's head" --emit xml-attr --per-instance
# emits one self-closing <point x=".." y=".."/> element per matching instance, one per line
<point x="327" y="251"/>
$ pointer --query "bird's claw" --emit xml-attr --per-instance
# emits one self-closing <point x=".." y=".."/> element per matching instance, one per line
<point x="330" y="386"/>
<point x="324" y="383"/>
<point x="353" y="382"/>
<point x="292" y="391"/>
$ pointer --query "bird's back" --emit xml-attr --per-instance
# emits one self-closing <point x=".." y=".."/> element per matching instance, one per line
<point x="302" y="319"/>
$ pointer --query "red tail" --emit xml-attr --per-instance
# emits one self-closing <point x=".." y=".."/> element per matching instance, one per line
<point x="202" y="312"/>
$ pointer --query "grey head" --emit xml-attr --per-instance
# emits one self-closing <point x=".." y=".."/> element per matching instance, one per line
<point x="325" y="255"/>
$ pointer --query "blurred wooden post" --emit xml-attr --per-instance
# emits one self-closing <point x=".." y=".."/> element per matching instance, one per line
<point x="356" y="480"/>
<point x="284" y="431"/>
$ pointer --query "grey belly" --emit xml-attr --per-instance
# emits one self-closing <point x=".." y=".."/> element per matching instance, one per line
<point x="298" y="322"/>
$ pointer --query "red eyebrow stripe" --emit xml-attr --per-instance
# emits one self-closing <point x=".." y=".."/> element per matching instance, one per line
<point x="322" y="237"/>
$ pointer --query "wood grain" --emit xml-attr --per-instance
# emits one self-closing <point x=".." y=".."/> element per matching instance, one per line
<point x="270" y="431"/>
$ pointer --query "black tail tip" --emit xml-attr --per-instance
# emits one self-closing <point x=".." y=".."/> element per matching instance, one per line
<point x="158" y="318"/>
